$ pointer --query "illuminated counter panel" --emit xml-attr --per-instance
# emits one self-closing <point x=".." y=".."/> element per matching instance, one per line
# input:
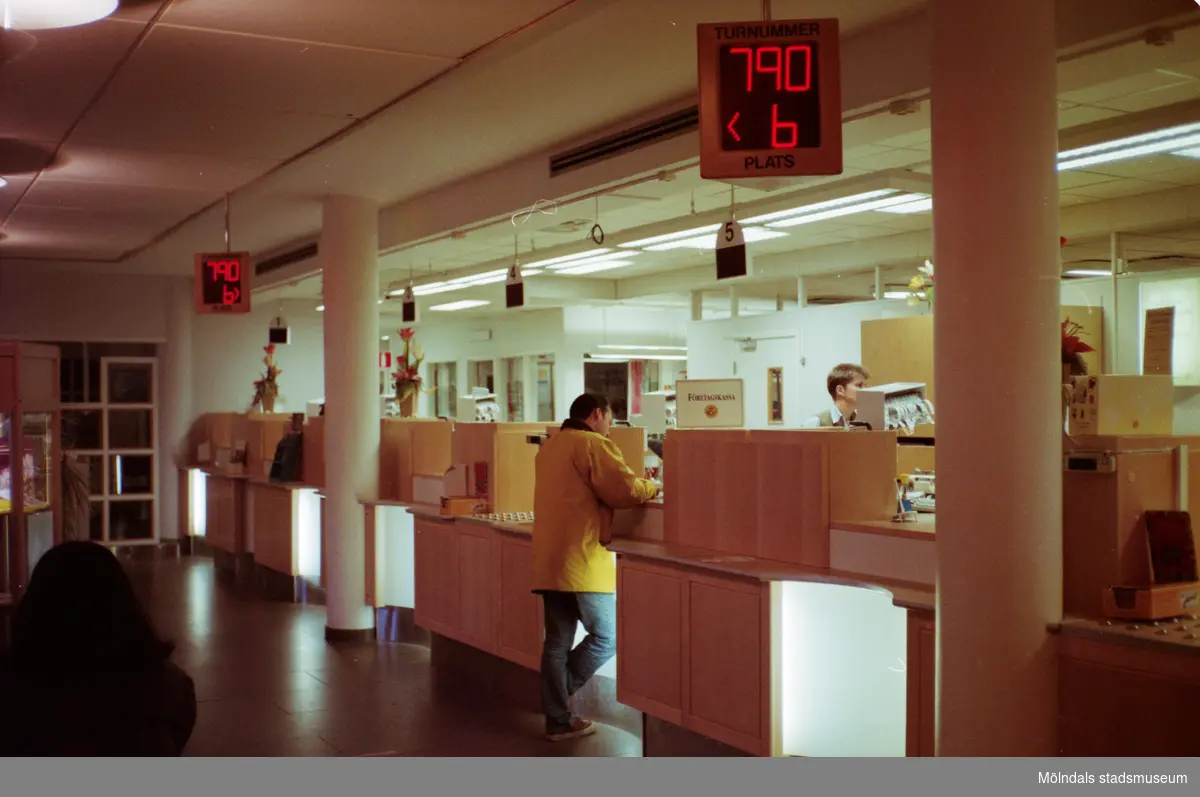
<point x="285" y="534"/>
<point x="771" y="659"/>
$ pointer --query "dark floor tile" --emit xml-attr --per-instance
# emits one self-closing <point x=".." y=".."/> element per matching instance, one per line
<point x="269" y="685"/>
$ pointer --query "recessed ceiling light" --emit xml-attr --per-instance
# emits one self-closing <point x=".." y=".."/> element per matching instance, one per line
<point x="3" y="182"/>
<point x="1087" y="272"/>
<point x="1169" y="139"/>
<point x="751" y="234"/>
<point x="465" y="304"/>
<point x="320" y="308"/>
<point x="592" y="268"/>
<point x="46" y="14"/>
<point x="569" y="258"/>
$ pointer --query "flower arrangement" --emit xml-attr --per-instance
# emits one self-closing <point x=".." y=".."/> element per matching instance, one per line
<point x="407" y="376"/>
<point x="920" y="288"/>
<point x="1073" y="348"/>
<point x="266" y="387"/>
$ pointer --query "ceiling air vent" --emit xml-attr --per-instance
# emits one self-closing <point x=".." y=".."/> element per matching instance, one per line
<point x="660" y="129"/>
<point x="837" y="299"/>
<point x="286" y="259"/>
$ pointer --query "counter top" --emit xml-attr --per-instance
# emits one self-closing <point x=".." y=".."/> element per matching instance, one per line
<point x="223" y="474"/>
<point x="1179" y="635"/>
<point x="909" y="596"/>
<point x="922" y="529"/>
<point x="262" y="481"/>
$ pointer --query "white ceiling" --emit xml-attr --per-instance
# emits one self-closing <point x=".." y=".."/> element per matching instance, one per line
<point x="160" y="112"/>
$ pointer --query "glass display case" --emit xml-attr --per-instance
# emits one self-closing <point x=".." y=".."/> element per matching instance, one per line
<point x="30" y="482"/>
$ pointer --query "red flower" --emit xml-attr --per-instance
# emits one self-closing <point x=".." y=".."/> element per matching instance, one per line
<point x="407" y="334"/>
<point x="269" y="349"/>
<point x="1071" y="343"/>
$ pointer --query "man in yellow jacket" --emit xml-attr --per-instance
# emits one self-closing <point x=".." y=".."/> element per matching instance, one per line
<point x="581" y="479"/>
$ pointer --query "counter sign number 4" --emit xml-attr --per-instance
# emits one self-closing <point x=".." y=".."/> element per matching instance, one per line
<point x="733" y="260"/>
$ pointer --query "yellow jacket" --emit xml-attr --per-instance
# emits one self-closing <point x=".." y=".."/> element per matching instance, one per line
<point x="581" y="479"/>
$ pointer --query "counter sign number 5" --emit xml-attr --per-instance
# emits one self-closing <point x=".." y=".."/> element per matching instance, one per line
<point x="733" y="260"/>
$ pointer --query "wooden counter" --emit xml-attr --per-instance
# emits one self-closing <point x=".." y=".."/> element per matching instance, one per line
<point x="285" y="527"/>
<point x="474" y="582"/>
<point x="1129" y="689"/>
<point x="712" y="642"/>
<point x="225" y="511"/>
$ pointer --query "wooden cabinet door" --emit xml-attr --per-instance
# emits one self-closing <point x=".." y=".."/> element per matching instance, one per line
<point x="650" y="638"/>
<point x="521" y="632"/>
<point x="920" y="740"/>
<point x="728" y="673"/>
<point x="435" y="547"/>
<point x="478" y="587"/>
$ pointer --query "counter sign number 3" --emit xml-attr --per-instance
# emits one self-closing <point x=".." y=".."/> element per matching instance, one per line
<point x="770" y="99"/>
<point x="223" y="282"/>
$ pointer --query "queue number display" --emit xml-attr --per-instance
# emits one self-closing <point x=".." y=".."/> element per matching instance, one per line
<point x="770" y="99"/>
<point x="223" y="282"/>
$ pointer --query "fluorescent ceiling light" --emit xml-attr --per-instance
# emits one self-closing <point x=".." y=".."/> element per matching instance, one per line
<point x="645" y="243"/>
<point x="1169" y="139"/>
<point x="3" y="182"/>
<point x="592" y="268"/>
<point x="848" y="210"/>
<point x="709" y="241"/>
<point x="641" y="348"/>
<point x="1088" y="272"/>
<point x="457" y="284"/>
<point x="569" y="258"/>
<point x="1189" y="153"/>
<point x="675" y="357"/>
<point x="464" y="304"/>
<point x="46" y="14"/>
<point x="320" y="308"/>
<point x="816" y="207"/>
<point x="570" y="266"/>
<point x="918" y="206"/>
<point x="896" y="294"/>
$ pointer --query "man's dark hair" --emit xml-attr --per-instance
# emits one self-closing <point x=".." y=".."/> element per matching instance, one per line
<point x="583" y="407"/>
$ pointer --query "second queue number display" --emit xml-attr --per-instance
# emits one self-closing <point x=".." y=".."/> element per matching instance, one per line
<point x="770" y="99"/>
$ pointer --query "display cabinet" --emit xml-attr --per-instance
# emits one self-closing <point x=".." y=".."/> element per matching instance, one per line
<point x="30" y="457"/>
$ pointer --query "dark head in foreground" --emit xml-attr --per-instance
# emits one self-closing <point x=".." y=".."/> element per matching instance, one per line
<point x="80" y="614"/>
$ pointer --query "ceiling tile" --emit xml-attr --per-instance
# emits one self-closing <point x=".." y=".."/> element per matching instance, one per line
<point x="1084" y="114"/>
<point x="216" y="71"/>
<point x="156" y="170"/>
<point x="449" y="28"/>
<point x="1183" y="91"/>
<point x="44" y="92"/>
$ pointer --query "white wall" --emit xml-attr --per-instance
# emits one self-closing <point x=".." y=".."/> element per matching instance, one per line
<point x="82" y="306"/>
<point x="813" y="340"/>
<point x="227" y="354"/>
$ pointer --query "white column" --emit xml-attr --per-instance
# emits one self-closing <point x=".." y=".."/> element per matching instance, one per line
<point x="349" y="261"/>
<point x="996" y="320"/>
<point x="697" y="305"/>
<point x="174" y="400"/>
<point x="801" y="292"/>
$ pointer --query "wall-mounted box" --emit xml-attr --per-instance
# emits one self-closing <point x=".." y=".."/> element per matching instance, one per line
<point x="1117" y="404"/>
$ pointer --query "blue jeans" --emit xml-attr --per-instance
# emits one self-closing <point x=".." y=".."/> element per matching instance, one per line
<point x="565" y="671"/>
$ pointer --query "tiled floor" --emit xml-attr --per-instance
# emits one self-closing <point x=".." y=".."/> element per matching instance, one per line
<point x="269" y="685"/>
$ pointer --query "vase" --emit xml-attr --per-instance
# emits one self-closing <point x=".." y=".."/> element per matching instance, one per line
<point x="406" y="407"/>
<point x="268" y="403"/>
<point x="1068" y="387"/>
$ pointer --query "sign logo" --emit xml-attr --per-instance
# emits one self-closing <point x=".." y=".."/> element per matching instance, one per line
<point x="709" y="404"/>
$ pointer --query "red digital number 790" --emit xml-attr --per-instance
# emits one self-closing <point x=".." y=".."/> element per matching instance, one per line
<point x="781" y="63"/>
<point x="226" y="270"/>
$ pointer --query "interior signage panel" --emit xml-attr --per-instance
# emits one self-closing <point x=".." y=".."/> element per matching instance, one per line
<point x="770" y="98"/>
<point x="709" y="404"/>
<point x="223" y="282"/>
